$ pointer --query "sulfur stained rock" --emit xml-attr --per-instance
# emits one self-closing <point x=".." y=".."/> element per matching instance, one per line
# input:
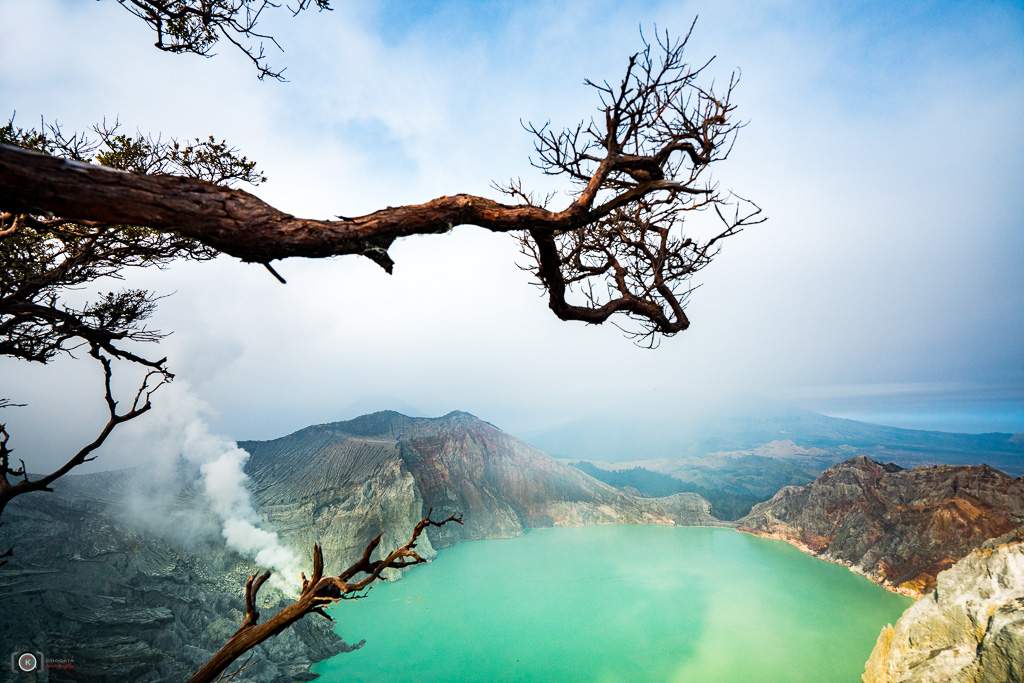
<point x="969" y="629"/>
<point x="898" y="527"/>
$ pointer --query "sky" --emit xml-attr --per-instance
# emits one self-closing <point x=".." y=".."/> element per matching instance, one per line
<point x="883" y="142"/>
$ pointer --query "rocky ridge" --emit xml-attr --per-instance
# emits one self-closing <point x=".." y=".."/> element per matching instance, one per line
<point x="897" y="527"/>
<point x="970" y="629"/>
<point x="341" y="484"/>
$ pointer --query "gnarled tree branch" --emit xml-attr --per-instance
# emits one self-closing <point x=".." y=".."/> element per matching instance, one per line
<point x="234" y="221"/>
<point x="638" y="169"/>
<point x="318" y="592"/>
<point x="11" y="487"/>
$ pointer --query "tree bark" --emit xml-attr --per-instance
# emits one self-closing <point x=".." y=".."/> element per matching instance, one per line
<point x="236" y="222"/>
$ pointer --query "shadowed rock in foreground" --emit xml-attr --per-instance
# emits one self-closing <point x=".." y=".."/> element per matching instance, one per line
<point x="117" y="601"/>
<point x="898" y="527"/>
<point x="970" y="629"/>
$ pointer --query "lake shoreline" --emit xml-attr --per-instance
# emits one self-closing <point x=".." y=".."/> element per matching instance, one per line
<point x="568" y="595"/>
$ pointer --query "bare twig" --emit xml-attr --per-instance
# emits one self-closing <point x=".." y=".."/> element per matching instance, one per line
<point x="140" y="404"/>
<point x="245" y="665"/>
<point x="318" y="592"/>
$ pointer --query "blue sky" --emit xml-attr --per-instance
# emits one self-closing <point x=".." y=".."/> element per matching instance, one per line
<point x="884" y="143"/>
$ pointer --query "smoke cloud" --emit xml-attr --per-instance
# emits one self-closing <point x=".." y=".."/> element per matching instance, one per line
<point x="179" y="447"/>
<point x="221" y="464"/>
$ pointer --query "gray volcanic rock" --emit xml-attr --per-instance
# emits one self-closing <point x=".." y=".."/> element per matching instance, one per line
<point x="341" y="484"/>
<point x="323" y="486"/>
<point x="89" y="584"/>
<point x="898" y="527"/>
<point x="970" y="629"/>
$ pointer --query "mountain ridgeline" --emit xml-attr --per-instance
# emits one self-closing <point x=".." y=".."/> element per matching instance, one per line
<point x="340" y="484"/>
<point x="724" y="505"/>
<point x="744" y="425"/>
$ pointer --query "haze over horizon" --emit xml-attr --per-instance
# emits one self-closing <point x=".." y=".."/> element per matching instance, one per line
<point x="885" y="287"/>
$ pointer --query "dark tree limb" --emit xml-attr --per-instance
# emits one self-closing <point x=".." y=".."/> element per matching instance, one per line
<point x="44" y="257"/>
<point x="318" y="592"/>
<point x="10" y="487"/>
<point x="638" y="170"/>
<point x="234" y="221"/>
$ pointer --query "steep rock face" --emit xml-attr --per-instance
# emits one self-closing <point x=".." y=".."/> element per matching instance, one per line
<point x="970" y="629"/>
<point x="322" y="485"/>
<point x="90" y="585"/>
<point x="342" y="483"/>
<point x="898" y="527"/>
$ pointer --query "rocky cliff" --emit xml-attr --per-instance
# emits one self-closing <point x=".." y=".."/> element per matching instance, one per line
<point x="342" y="483"/>
<point x="970" y="629"/>
<point x="898" y="527"/>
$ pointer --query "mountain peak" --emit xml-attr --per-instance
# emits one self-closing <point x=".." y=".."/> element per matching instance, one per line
<point x="393" y="424"/>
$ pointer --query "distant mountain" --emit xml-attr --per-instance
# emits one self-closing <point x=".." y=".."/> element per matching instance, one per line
<point x="724" y="505"/>
<point x="898" y="527"/>
<point x="748" y="423"/>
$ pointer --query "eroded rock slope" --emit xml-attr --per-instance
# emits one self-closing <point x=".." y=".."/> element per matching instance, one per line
<point x="340" y="484"/>
<point x="970" y="629"/>
<point x="898" y="527"/>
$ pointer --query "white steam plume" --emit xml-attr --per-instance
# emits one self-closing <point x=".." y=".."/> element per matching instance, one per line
<point x="175" y="430"/>
<point x="221" y="464"/>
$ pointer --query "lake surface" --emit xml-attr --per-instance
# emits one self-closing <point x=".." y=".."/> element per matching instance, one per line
<point x="616" y="603"/>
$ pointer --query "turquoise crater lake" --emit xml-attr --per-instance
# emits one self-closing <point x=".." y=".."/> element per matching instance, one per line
<point x="616" y="603"/>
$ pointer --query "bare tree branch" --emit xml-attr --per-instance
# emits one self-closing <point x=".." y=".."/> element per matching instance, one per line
<point x="10" y="487"/>
<point x="195" y="26"/>
<point x="245" y="665"/>
<point x="318" y="592"/>
<point x="638" y="170"/>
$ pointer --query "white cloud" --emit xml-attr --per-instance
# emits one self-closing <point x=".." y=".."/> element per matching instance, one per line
<point x="883" y="150"/>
